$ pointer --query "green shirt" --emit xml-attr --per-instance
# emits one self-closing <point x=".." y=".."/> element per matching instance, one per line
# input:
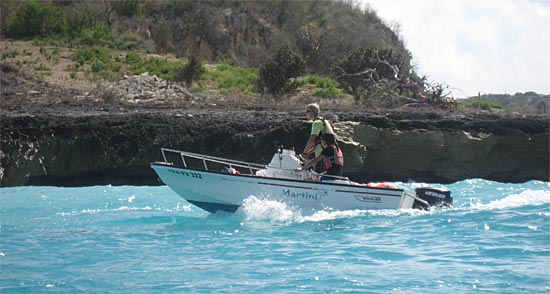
<point x="317" y="127"/>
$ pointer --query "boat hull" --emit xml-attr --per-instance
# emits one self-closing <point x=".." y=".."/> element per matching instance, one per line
<point x="213" y="191"/>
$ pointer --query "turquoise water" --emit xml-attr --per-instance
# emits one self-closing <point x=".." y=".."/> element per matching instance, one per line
<point x="107" y="239"/>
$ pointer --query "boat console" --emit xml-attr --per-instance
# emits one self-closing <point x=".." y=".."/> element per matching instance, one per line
<point x="283" y="164"/>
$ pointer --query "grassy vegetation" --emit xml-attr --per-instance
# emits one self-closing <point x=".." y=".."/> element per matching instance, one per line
<point x="9" y="54"/>
<point x="317" y="81"/>
<point x="42" y="70"/>
<point x="321" y="87"/>
<point x="232" y="79"/>
<point x="227" y="79"/>
<point x="161" y="67"/>
<point x="91" y="55"/>
<point x="109" y="64"/>
<point x="473" y="103"/>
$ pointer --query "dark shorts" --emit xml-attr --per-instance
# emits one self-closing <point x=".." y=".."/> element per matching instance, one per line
<point x="319" y="167"/>
<point x="335" y="170"/>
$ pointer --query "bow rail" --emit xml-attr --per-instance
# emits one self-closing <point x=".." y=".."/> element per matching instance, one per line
<point x="206" y="158"/>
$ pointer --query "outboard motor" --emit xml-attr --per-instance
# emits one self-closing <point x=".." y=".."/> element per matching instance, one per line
<point x="434" y="197"/>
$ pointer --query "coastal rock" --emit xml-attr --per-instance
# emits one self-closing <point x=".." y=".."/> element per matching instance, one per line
<point x="117" y="148"/>
<point x="448" y="156"/>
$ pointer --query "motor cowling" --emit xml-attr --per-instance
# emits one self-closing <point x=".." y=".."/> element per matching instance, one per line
<point x="434" y="197"/>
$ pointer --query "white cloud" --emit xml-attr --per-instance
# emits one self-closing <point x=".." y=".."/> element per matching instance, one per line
<point x="487" y="46"/>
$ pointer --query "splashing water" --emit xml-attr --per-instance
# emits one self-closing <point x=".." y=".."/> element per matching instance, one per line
<point x="265" y="209"/>
<point x="525" y="198"/>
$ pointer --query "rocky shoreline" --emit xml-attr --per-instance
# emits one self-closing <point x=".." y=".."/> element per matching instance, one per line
<point x="116" y="148"/>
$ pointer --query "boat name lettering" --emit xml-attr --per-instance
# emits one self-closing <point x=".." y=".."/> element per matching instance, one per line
<point x="301" y="195"/>
<point x="184" y="173"/>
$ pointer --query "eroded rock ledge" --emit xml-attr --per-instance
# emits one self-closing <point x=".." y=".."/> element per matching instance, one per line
<point x="94" y="149"/>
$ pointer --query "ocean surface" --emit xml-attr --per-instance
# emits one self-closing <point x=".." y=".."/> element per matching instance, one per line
<point x="107" y="239"/>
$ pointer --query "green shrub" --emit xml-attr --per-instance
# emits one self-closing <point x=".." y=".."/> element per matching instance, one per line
<point x="99" y="34"/>
<point x="133" y="59"/>
<point x="162" y="36"/>
<point x="116" y="67"/>
<point x="330" y="93"/>
<point x="98" y="58"/>
<point x="317" y="81"/>
<point x="323" y="87"/>
<point x="82" y="56"/>
<point x="127" y="41"/>
<point x="276" y="72"/>
<point x="36" y="19"/>
<point x="192" y="71"/>
<point x="97" y="66"/>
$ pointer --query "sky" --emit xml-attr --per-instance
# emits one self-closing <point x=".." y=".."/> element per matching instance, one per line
<point x="475" y="46"/>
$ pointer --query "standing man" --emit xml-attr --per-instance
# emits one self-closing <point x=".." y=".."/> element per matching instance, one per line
<point x="318" y="127"/>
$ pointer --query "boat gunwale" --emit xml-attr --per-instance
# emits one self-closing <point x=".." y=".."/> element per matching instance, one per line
<point x="164" y="164"/>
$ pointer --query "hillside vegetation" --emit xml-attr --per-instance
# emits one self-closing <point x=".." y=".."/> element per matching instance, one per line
<point x="330" y="50"/>
<point x="241" y="31"/>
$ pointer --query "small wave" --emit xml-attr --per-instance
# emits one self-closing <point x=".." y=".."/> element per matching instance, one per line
<point x="124" y="208"/>
<point x="324" y="215"/>
<point x="399" y="212"/>
<point x="265" y="209"/>
<point x="525" y="198"/>
<point x="96" y="211"/>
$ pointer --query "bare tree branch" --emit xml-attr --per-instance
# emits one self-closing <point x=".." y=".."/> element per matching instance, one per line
<point x="394" y="68"/>
<point x="345" y="74"/>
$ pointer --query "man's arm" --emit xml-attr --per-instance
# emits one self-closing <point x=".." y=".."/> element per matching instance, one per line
<point x="310" y="146"/>
<point x="311" y="163"/>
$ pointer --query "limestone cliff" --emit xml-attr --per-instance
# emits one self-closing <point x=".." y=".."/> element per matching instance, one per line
<point x="446" y="156"/>
<point x="117" y="148"/>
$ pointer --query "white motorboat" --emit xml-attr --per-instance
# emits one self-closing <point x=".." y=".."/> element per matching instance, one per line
<point x="213" y="184"/>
